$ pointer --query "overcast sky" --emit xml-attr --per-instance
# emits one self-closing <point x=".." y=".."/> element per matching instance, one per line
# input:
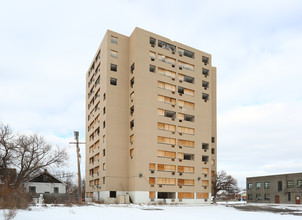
<point x="46" y="48"/>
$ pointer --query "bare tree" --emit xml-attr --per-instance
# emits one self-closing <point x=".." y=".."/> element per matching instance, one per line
<point x="29" y="154"/>
<point x="224" y="182"/>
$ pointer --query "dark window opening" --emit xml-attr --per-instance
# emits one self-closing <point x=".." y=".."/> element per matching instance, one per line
<point x="188" y="156"/>
<point x="213" y="139"/>
<point x="170" y="114"/>
<point x="56" y="189"/>
<point x="113" y="81"/>
<point x="279" y="185"/>
<point x="205" y="158"/>
<point x="104" y="97"/>
<point x="189" y="79"/>
<point x="189" y="118"/>
<point x="205" y="72"/>
<point x="104" y="124"/>
<point x="267" y="197"/>
<point x="205" y="97"/>
<point x="152" y="41"/>
<point x="132" y="68"/>
<point x="152" y="68"/>
<point x="131" y="124"/>
<point x="166" y="195"/>
<point x="166" y="46"/>
<point x="132" y="110"/>
<point x="104" y="152"/>
<point x="132" y="82"/>
<point x="180" y="90"/>
<point x="213" y="150"/>
<point x="112" y="194"/>
<point x="32" y="189"/>
<point x="205" y="146"/>
<point x="205" y="84"/>
<point x="205" y="60"/>
<point x="104" y="110"/>
<point x="113" y="67"/>
<point x="288" y="196"/>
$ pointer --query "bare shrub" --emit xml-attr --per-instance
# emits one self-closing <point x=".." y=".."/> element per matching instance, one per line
<point x="9" y="214"/>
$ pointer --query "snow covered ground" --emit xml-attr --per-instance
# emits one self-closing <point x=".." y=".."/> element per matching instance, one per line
<point x="144" y="212"/>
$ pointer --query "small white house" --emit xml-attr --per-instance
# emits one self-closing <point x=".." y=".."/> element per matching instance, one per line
<point x="45" y="183"/>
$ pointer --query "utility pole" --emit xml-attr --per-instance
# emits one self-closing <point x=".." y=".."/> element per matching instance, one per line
<point x="76" y="136"/>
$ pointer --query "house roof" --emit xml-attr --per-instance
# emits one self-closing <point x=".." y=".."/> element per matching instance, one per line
<point x="45" y="177"/>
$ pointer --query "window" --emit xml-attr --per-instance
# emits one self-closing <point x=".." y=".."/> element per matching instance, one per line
<point x="104" y="152"/>
<point x="167" y="154"/>
<point x="205" y="182"/>
<point x="151" y="166"/>
<point x="131" y="124"/>
<point x="132" y="138"/>
<point x="290" y="183"/>
<point x="205" y="60"/>
<point x="205" y="85"/>
<point x="258" y="185"/>
<point x="104" y="96"/>
<point x="103" y="180"/>
<point x="113" y="67"/>
<point x="250" y="186"/>
<point x="213" y="151"/>
<point x="166" y="99"/>
<point x="132" y="96"/>
<point x="166" y="113"/>
<point x="166" y="181"/>
<point x="186" y="66"/>
<point x="185" y="169"/>
<point x="166" y="195"/>
<point x="288" y="196"/>
<point x="185" y="182"/>
<point x="205" y="158"/>
<point x="187" y="53"/>
<point x="166" y="59"/>
<point x="185" y="78"/>
<point x="152" y="41"/>
<point x="113" y="81"/>
<point x="152" y="68"/>
<point x="205" y="170"/>
<point x="185" y="195"/>
<point x="132" y="68"/>
<point x="113" y="53"/>
<point x="166" y="86"/>
<point x="202" y="196"/>
<point x="131" y="153"/>
<point x="185" y="117"/>
<point x="166" y="140"/>
<point x="166" y="167"/>
<point x="213" y="140"/>
<point x="113" y="40"/>
<point x="166" y="127"/>
<point x="258" y="196"/>
<point x="104" y="166"/>
<point x="249" y="196"/>
<point x="152" y="55"/>
<point x="104" y="124"/>
<point x="104" y="138"/>
<point x="205" y="72"/>
<point x="205" y="97"/>
<point x="182" y="103"/>
<point x="267" y="185"/>
<point x="104" y="110"/>
<point x="186" y="130"/>
<point x="32" y="189"/>
<point x="132" y="82"/>
<point x="279" y="185"/>
<point x="205" y="146"/>
<point x="186" y="143"/>
<point x="132" y="110"/>
<point x="185" y="156"/>
<point x="167" y="73"/>
<point x="267" y="197"/>
<point x="112" y="194"/>
<point x="299" y="183"/>
<point x="166" y="46"/>
<point x="182" y="90"/>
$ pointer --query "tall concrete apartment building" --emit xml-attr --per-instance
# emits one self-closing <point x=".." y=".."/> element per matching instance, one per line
<point x="150" y="120"/>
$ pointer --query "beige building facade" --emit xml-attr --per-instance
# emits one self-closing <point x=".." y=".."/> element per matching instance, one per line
<point x="150" y="120"/>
